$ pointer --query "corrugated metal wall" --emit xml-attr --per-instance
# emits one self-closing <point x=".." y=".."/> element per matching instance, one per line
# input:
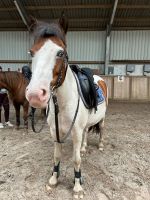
<point x="86" y="46"/>
<point x="130" y="45"/>
<point x="14" y="45"/>
<point x="82" y="46"/>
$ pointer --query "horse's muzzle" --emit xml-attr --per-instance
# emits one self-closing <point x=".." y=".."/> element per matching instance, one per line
<point x="37" y="99"/>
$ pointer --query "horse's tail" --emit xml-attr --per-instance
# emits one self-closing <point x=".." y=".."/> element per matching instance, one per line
<point x="95" y="128"/>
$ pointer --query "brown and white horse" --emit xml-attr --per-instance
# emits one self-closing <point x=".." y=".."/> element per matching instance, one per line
<point x="51" y="75"/>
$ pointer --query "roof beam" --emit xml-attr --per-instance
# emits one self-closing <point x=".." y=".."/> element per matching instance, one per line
<point x="22" y="12"/>
<point x="109" y="26"/>
<point x="134" y="6"/>
<point x="132" y="19"/>
<point x="122" y="28"/>
<point x="58" y="7"/>
<point x="122" y="19"/>
<point x="89" y="6"/>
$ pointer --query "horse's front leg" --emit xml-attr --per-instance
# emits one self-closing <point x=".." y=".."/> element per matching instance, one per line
<point x="57" y="156"/>
<point x="17" y="108"/>
<point x="77" y="141"/>
<point x="25" y="115"/>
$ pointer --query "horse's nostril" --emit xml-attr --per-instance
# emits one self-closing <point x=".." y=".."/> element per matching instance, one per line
<point x="44" y="92"/>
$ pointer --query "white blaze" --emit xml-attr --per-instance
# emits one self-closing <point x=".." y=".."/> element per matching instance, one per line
<point x="42" y="65"/>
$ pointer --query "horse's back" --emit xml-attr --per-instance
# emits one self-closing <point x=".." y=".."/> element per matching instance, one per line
<point x="16" y="85"/>
<point x="101" y="83"/>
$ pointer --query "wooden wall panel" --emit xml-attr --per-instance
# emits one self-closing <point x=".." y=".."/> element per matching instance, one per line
<point x="139" y="88"/>
<point x="121" y="89"/>
<point x="133" y="88"/>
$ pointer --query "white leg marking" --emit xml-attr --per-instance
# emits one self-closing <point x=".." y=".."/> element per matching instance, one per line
<point x="57" y="155"/>
<point x="77" y="140"/>
<point x="101" y="145"/>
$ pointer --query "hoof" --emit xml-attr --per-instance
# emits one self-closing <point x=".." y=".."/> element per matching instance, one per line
<point x="83" y="150"/>
<point x="48" y="189"/>
<point x="53" y="180"/>
<point x="26" y="129"/>
<point x="79" y="195"/>
<point x="101" y="149"/>
<point x="101" y="146"/>
<point x="17" y="128"/>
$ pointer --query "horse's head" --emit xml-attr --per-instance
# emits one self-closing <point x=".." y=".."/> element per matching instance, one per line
<point x="49" y="59"/>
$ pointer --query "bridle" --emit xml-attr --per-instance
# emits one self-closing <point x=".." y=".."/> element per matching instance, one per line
<point x="64" y="56"/>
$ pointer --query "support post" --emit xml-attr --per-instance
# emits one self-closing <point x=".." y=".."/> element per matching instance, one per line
<point x="107" y="52"/>
<point x="107" y="41"/>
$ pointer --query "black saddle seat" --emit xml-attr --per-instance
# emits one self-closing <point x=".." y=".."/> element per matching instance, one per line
<point x="86" y="86"/>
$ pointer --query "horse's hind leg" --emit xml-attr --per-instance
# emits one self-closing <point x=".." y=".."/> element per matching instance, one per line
<point x="57" y="156"/>
<point x="101" y="126"/>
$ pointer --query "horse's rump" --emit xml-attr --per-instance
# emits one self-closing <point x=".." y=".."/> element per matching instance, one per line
<point x="101" y="83"/>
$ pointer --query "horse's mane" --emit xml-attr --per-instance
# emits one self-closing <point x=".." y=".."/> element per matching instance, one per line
<point x="44" y="30"/>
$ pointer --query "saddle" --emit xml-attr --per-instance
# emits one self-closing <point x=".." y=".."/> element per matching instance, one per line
<point x="86" y="86"/>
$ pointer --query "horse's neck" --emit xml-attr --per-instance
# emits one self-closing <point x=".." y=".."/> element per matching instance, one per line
<point x="67" y="89"/>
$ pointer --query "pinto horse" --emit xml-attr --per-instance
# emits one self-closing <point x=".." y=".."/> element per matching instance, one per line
<point x="53" y="85"/>
<point x="16" y="84"/>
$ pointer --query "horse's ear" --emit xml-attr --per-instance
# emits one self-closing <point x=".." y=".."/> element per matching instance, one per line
<point x="33" y="22"/>
<point x="63" y="22"/>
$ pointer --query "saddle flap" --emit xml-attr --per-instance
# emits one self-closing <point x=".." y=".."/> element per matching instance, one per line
<point x="86" y="84"/>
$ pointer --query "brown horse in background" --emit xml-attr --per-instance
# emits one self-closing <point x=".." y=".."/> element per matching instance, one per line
<point x="16" y="84"/>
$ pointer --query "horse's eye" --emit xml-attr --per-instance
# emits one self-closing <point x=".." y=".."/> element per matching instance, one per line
<point x="60" y="53"/>
<point x="31" y="53"/>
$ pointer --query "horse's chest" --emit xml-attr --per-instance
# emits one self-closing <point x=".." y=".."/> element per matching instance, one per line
<point x="65" y="117"/>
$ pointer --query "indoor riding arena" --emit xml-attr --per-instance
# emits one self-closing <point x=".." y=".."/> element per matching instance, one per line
<point x="110" y="37"/>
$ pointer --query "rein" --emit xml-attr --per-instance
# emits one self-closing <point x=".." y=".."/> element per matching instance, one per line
<point x="54" y="97"/>
<point x="33" y="122"/>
